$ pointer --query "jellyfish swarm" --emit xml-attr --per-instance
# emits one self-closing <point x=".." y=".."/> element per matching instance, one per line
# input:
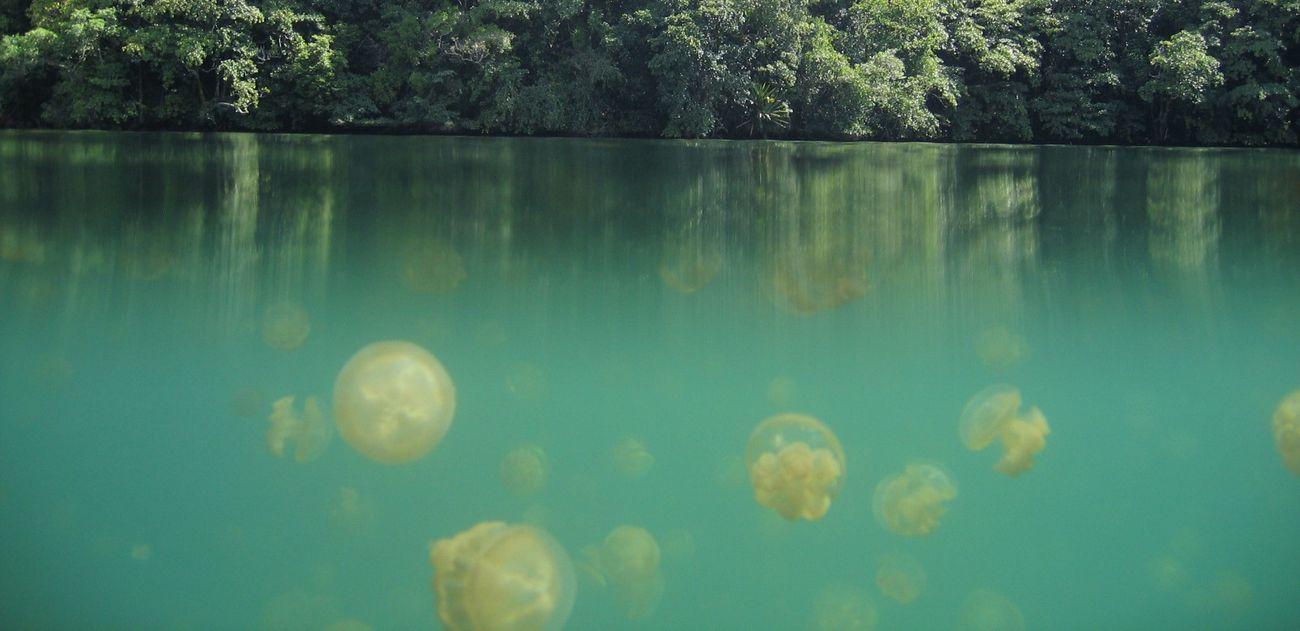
<point x="499" y="576"/>
<point x="628" y="562"/>
<point x="631" y="457"/>
<point x="911" y="503"/>
<point x="1286" y="431"/>
<point x="985" y="610"/>
<point x="309" y="431"/>
<point x="285" y="326"/>
<point x="994" y="413"/>
<point x="394" y="401"/>
<point x="900" y="577"/>
<point x="796" y="466"/>
<point x="844" y="608"/>
<point x="524" y="470"/>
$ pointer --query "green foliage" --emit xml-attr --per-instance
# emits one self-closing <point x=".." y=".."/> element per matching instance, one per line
<point x="1117" y="71"/>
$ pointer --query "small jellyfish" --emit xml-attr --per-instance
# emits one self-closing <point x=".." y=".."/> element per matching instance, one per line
<point x="796" y="466"/>
<point x="994" y="413"/>
<point x="985" y="610"/>
<point x="1286" y="431"/>
<point x="842" y="607"/>
<point x="1168" y="572"/>
<point x="524" y="470"/>
<point x="499" y="576"/>
<point x="781" y="391"/>
<point x="689" y="267"/>
<point x="678" y="546"/>
<point x="1000" y="348"/>
<point x="808" y="282"/>
<point x="141" y="552"/>
<point x="628" y="562"/>
<point x="526" y="381"/>
<point x="912" y="502"/>
<point x="900" y="577"/>
<point x="285" y="326"/>
<point x="631" y="457"/>
<point x="394" y="401"/>
<point x="310" y="432"/>
<point x="432" y="267"/>
<point x="351" y="513"/>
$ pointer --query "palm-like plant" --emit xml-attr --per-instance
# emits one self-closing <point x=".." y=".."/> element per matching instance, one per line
<point x="767" y="112"/>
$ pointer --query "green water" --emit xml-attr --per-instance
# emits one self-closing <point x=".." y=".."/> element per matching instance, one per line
<point x="583" y="291"/>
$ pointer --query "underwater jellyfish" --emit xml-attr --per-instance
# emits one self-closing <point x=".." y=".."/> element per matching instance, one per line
<point x="796" y="466"/>
<point x="1286" y="431"/>
<point x="1000" y="348"/>
<point x="394" y="401"/>
<point x="526" y="381"/>
<point x="781" y="391"/>
<point x="842" y="607"/>
<point x="500" y="576"/>
<point x="678" y="546"/>
<point x="816" y="279"/>
<point x="912" y="502"/>
<point x="309" y="431"/>
<point x="631" y="457"/>
<point x="628" y="562"/>
<point x="285" y="326"/>
<point x="900" y="577"/>
<point x="432" y="267"/>
<point x="351" y="513"/>
<point x="985" y="610"/>
<point x="994" y="413"/>
<point x="689" y="267"/>
<point x="524" y="470"/>
<point x="141" y="552"/>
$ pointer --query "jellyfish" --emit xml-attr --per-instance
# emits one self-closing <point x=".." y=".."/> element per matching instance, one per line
<point x="820" y="278"/>
<point x="309" y="431"/>
<point x="842" y="607"/>
<point x="631" y="457"/>
<point x="781" y="391"/>
<point x="526" y="381"/>
<point x="796" y="466"/>
<point x="394" y="401"/>
<point x="912" y="502"/>
<point x="1000" y="348"/>
<point x="900" y="577"/>
<point x="141" y="552"/>
<point x="994" y="413"/>
<point x="524" y="470"/>
<point x="678" y="546"/>
<point x="689" y="266"/>
<point x="1286" y="431"/>
<point x="500" y="576"/>
<point x="985" y="610"/>
<point x="285" y="326"/>
<point x="628" y="562"/>
<point x="432" y="267"/>
<point x="351" y="513"/>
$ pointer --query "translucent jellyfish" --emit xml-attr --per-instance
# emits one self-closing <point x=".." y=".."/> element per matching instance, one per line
<point x="1286" y="431"/>
<point x="285" y="326"/>
<point x="350" y="512"/>
<point x="141" y="552"/>
<point x="985" y="610"/>
<point x="900" y="577"/>
<point x="394" y="401"/>
<point x="781" y="391"/>
<point x="912" y="502"/>
<point x="810" y="280"/>
<point x="524" y="470"/>
<point x="689" y="267"/>
<point x="432" y="267"/>
<point x="1167" y="572"/>
<point x="628" y="562"/>
<point x="500" y="576"/>
<point x="1000" y="348"/>
<point x="678" y="546"/>
<point x="796" y="466"/>
<point x="310" y="432"/>
<point x="631" y="457"/>
<point x="994" y="413"/>
<point x="526" y="381"/>
<point x="844" y="608"/>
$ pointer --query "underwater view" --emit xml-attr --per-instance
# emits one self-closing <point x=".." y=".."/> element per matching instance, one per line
<point x="377" y="382"/>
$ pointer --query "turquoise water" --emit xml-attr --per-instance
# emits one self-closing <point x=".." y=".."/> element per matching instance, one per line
<point x="581" y="292"/>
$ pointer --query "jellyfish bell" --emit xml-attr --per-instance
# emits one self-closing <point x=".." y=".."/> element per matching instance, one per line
<point x="628" y="560"/>
<point x="432" y="267"/>
<point x="985" y="610"/>
<point x="309" y="431"/>
<point x="994" y="414"/>
<point x="796" y="466"/>
<point x="911" y="503"/>
<point x="496" y="576"/>
<point x="524" y="470"/>
<point x="394" y="402"/>
<point x="1000" y="348"/>
<point x="900" y="577"/>
<point x="632" y="458"/>
<point x="285" y="326"/>
<point x="1286" y="431"/>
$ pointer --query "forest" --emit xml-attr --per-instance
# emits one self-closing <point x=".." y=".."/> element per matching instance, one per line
<point x="1176" y="72"/>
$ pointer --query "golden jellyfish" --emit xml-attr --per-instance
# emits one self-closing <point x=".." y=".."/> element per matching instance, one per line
<point x="524" y="470"/>
<point x="689" y="267"/>
<point x="818" y="279"/>
<point x="985" y="610"/>
<point x="994" y="414"/>
<point x="912" y="502"/>
<point x="844" y="608"/>
<point x="1000" y="348"/>
<point x="900" y="577"/>
<point x="1286" y="431"/>
<point x="394" y="401"/>
<point x="285" y="326"/>
<point x="796" y="466"/>
<point x="632" y="458"/>
<point x="496" y="576"/>
<point x="432" y="267"/>
<point x="628" y="561"/>
<point x="310" y="432"/>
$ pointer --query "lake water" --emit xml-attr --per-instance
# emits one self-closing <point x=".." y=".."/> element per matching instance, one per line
<point x="608" y="299"/>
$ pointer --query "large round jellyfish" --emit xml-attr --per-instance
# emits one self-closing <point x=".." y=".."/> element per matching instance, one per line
<point x="524" y="470"/>
<point x="310" y="432"/>
<point x="496" y="576"/>
<point x="796" y="466"/>
<point x="393" y="402"/>
<point x="631" y="457"/>
<point x="285" y="326"/>
<point x="1286" y="431"/>
<point x="993" y="414"/>
<point x="985" y="610"/>
<point x="910" y="503"/>
<point x="842" y="607"/>
<point x="900" y="577"/>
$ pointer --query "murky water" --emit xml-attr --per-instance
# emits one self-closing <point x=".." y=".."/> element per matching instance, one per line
<point x="625" y="313"/>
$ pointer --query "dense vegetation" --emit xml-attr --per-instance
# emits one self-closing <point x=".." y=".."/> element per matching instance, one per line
<point x="1126" y="71"/>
